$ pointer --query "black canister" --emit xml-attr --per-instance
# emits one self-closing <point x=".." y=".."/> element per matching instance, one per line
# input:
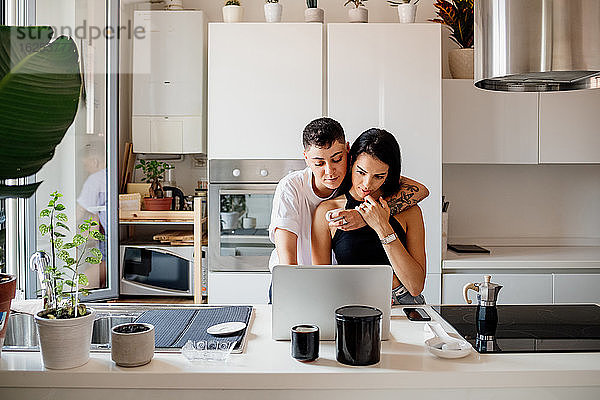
<point x="358" y="335"/>
<point x="305" y="342"/>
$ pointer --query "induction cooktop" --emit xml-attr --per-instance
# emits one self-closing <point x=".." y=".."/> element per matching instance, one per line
<point x="531" y="328"/>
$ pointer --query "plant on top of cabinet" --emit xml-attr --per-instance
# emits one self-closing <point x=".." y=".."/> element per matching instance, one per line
<point x="65" y="325"/>
<point x="359" y="13"/>
<point x="407" y="10"/>
<point x="154" y="173"/>
<point x="233" y="11"/>
<point x="273" y="11"/>
<point x="313" y="13"/>
<point x="458" y="16"/>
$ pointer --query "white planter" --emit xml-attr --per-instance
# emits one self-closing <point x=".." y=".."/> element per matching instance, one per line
<point x="132" y="349"/>
<point x="230" y="220"/>
<point x="233" y="13"/>
<point x="174" y="4"/>
<point x="65" y="343"/>
<point x="273" y="12"/>
<point x="407" y="13"/>
<point x="314" y="15"/>
<point x="360" y="14"/>
<point x="460" y="62"/>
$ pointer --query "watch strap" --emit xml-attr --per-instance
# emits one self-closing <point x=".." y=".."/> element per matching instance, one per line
<point x="389" y="238"/>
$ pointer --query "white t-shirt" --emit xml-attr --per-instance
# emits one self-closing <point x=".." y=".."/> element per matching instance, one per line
<point x="294" y="203"/>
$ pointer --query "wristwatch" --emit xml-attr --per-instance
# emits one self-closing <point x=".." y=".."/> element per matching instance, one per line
<point x="389" y="238"/>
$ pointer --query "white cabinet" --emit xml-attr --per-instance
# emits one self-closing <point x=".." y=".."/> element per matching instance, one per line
<point x="517" y="288"/>
<point x="577" y="288"/>
<point x="265" y="85"/>
<point x="389" y="76"/>
<point x="169" y="64"/>
<point x="483" y="127"/>
<point x="569" y="131"/>
<point x="238" y="287"/>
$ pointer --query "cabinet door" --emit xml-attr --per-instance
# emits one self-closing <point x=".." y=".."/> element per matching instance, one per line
<point x="389" y="76"/>
<point x="517" y="288"/>
<point x="576" y="288"/>
<point x="569" y="131"/>
<point x="265" y="85"/>
<point x="484" y="127"/>
<point x="238" y="287"/>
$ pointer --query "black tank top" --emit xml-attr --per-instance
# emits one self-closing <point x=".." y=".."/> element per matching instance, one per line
<point x="362" y="246"/>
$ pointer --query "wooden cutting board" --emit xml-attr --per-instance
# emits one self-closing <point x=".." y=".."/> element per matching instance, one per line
<point x="175" y="236"/>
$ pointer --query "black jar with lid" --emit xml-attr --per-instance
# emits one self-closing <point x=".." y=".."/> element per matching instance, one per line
<point x="358" y="335"/>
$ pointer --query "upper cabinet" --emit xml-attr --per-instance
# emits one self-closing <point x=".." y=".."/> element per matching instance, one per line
<point x="389" y="76"/>
<point x="169" y="71"/>
<point x="569" y="131"/>
<point x="483" y="127"/>
<point x="265" y="85"/>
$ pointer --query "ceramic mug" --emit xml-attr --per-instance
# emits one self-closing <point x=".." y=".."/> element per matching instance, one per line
<point x="249" y="222"/>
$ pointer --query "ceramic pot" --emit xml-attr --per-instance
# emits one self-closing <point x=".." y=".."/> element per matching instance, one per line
<point x="65" y="343"/>
<point x="132" y="344"/>
<point x="360" y="14"/>
<point x="230" y="220"/>
<point x="407" y="13"/>
<point x="460" y="62"/>
<point x="314" y="15"/>
<point x="273" y="12"/>
<point x="163" y="204"/>
<point x="174" y="4"/>
<point x="233" y="13"/>
<point x="8" y="286"/>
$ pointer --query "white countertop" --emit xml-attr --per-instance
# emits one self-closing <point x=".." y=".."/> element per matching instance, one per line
<point x="266" y="365"/>
<point x="514" y="257"/>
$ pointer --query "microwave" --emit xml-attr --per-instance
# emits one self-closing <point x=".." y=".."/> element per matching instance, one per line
<point x="153" y="270"/>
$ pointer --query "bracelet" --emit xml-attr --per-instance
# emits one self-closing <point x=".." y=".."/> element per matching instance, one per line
<point x="389" y="238"/>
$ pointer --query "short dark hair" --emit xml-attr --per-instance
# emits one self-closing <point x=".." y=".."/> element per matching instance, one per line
<point x="382" y="145"/>
<point x="323" y="132"/>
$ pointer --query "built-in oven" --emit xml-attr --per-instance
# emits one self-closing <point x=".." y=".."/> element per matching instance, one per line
<point x="157" y="270"/>
<point x="240" y="198"/>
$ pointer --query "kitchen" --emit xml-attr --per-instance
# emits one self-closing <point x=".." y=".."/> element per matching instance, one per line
<point x="473" y="185"/>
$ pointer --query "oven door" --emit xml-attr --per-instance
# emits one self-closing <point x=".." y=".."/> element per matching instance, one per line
<point x="238" y="236"/>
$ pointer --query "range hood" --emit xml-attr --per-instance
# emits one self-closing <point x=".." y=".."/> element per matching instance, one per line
<point x="537" y="45"/>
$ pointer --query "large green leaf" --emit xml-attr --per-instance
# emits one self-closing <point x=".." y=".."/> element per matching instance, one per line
<point x="39" y="96"/>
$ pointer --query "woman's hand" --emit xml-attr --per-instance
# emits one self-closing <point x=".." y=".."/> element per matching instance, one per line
<point x="347" y="220"/>
<point x="376" y="214"/>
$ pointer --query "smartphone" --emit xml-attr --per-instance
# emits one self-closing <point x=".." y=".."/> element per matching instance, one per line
<point x="416" y="314"/>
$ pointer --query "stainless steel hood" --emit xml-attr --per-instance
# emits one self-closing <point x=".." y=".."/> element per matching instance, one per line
<point x="537" y="45"/>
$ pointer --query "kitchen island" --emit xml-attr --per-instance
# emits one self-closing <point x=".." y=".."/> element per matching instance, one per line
<point x="266" y="370"/>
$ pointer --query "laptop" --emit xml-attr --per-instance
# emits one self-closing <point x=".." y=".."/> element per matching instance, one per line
<point x="311" y="294"/>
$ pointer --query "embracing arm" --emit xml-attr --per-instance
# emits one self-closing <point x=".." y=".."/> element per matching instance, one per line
<point x="286" y="244"/>
<point x="320" y="237"/>
<point x="411" y="192"/>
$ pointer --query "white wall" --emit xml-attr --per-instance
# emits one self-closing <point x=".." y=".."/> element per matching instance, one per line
<point x="523" y="204"/>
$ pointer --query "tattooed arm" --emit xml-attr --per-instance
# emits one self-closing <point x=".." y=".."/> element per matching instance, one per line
<point x="411" y="192"/>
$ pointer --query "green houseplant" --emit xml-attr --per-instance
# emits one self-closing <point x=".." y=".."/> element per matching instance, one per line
<point x="65" y="324"/>
<point x="154" y="173"/>
<point x="458" y="16"/>
<point x="313" y="13"/>
<point x="40" y="86"/>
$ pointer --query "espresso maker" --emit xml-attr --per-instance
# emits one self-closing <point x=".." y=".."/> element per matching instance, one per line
<point x="487" y="313"/>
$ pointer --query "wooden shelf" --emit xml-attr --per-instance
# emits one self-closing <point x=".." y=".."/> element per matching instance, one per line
<point x="127" y="216"/>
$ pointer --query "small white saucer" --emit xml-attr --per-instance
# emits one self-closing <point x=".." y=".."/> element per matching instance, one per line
<point x="226" y="328"/>
<point x="433" y="347"/>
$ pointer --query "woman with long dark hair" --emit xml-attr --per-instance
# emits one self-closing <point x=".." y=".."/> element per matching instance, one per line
<point x="398" y="240"/>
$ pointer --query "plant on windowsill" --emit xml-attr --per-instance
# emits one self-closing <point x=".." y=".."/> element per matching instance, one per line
<point x="312" y="12"/>
<point x="359" y="12"/>
<point x="458" y="16"/>
<point x="407" y="10"/>
<point x="65" y="324"/>
<point x="153" y="174"/>
<point x="233" y="206"/>
<point x="40" y="86"/>
<point x="273" y="11"/>
<point x="233" y="11"/>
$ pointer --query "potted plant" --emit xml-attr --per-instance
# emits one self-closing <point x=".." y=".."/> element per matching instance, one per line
<point x="232" y="207"/>
<point x="132" y="344"/>
<point x="407" y="10"/>
<point x="359" y="12"/>
<point x="458" y="16"/>
<point x="40" y="86"/>
<point x="65" y="325"/>
<point x="233" y="11"/>
<point x="273" y="11"/>
<point x="153" y="173"/>
<point x="313" y="13"/>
